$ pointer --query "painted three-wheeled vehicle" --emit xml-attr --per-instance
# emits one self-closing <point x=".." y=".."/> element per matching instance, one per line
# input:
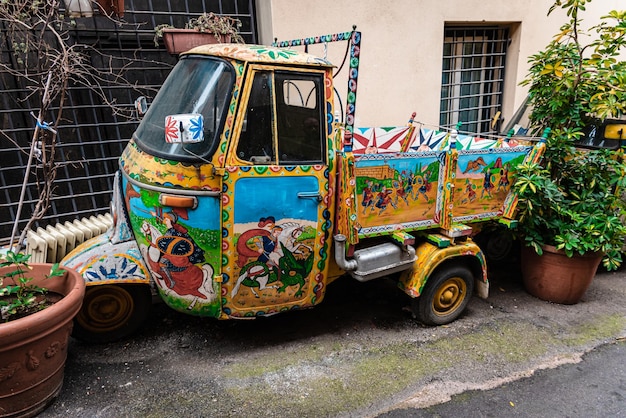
<point x="240" y="195"/>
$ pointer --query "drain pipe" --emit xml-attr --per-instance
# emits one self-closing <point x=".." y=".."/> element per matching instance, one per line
<point x="340" y="254"/>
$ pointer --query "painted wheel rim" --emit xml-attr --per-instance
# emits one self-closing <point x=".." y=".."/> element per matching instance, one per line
<point x="105" y="309"/>
<point x="449" y="296"/>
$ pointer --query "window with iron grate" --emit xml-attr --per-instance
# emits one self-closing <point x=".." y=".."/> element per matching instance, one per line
<point x="473" y="77"/>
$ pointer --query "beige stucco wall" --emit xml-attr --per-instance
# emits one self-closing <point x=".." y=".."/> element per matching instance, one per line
<point x="402" y="44"/>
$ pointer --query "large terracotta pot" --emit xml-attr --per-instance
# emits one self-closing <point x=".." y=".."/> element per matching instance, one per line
<point x="33" y="349"/>
<point x="180" y="40"/>
<point x="555" y="277"/>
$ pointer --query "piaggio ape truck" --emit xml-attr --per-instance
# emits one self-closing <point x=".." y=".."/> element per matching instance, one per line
<point x="241" y="194"/>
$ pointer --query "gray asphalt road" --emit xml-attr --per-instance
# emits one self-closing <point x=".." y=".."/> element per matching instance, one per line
<point x="595" y="387"/>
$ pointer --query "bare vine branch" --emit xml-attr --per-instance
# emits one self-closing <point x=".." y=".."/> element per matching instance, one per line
<point x="46" y="61"/>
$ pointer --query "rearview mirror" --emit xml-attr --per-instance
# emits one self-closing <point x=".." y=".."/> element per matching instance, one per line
<point x="141" y="105"/>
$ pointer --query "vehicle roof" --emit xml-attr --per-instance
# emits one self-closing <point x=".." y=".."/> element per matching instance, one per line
<point x="259" y="53"/>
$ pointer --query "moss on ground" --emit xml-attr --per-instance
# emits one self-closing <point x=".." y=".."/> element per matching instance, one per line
<point x="599" y="328"/>
<point x="348" y="382"/>
<point x="259" y="365"/>
<point x="326" y="380"/>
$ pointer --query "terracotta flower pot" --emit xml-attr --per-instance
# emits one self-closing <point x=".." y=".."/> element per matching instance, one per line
<point x="180" y="40"/>
<point x="33" y="349"/>
<point x="555" y="277"/>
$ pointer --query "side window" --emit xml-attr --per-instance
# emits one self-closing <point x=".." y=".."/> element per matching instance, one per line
<point x="293" y="130"/>
<point x="256" y="141"/>
<point x="300" y="117"/>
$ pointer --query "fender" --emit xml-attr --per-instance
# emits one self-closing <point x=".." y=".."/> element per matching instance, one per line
<point x="102" y="261"/>
<point x="113" y="257"/>
<point x="430" y="257"/>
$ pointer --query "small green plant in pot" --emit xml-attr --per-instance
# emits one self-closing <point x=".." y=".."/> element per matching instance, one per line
<point x="38" y="302"/>
<point x="206" y="28"/>
<point x="571" y="200"/>
<point x="19" y="297"/>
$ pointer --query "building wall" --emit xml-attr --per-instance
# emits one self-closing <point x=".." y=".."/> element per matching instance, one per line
<point x="402" y="45"/>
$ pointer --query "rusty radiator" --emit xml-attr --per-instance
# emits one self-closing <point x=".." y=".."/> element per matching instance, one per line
<point x="52" y="243"/>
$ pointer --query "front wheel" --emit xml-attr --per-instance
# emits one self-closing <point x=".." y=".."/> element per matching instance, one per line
<point x="112" y="312"/>
<point x="445" y="296"/>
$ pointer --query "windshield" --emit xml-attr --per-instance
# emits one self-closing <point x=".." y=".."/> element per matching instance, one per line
<point x="196" y="85"/>
<point x="596" y="133"/>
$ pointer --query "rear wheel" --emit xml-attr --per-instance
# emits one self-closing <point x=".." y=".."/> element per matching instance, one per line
<point x="112" y="312"/>
<point x="498" y="244"/>
<point x="445" y="296"/>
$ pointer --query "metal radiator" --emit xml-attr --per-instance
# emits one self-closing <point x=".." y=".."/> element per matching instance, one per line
<point x="51" y="244"/>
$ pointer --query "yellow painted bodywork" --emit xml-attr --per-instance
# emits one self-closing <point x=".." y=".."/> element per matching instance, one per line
<point x="615" y="131"/>
<point x="151" y="170"/>
<point x="430" y="257"/>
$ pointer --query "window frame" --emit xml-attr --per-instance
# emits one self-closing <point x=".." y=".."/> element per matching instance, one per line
<point x="277" y="112"/>
<point x="474" y="57"/>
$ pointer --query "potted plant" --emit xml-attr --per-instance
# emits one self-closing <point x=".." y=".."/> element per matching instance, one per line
<point x="208" y="28"/>
<point x="569" y="205"/>
<point x="35" y="324"/>
<point x="37" y="305"/>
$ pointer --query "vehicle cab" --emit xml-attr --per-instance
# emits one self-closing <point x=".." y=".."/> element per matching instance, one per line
<point x="223" y="191"/>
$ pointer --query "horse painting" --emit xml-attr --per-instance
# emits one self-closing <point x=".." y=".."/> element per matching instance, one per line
<point x="168" y="257"/>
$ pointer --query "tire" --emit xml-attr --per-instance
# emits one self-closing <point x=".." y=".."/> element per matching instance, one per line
<point x="445" y="296"/>
<point x="498" y="245"/>
<point x="112" y="312"/>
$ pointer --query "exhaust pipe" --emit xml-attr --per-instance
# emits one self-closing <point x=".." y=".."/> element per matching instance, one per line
<point x="340" y="254"/>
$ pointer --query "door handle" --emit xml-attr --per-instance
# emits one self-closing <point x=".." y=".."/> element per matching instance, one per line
<point x="310" y="195"/>
<point x="175" y="201"/>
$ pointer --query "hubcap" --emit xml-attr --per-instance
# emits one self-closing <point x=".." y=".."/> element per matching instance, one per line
<point x="105" y="308"/>
<point x="449" y="296"/>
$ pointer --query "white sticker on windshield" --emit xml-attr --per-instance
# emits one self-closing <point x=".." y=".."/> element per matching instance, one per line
<point x="184" y="128"/>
